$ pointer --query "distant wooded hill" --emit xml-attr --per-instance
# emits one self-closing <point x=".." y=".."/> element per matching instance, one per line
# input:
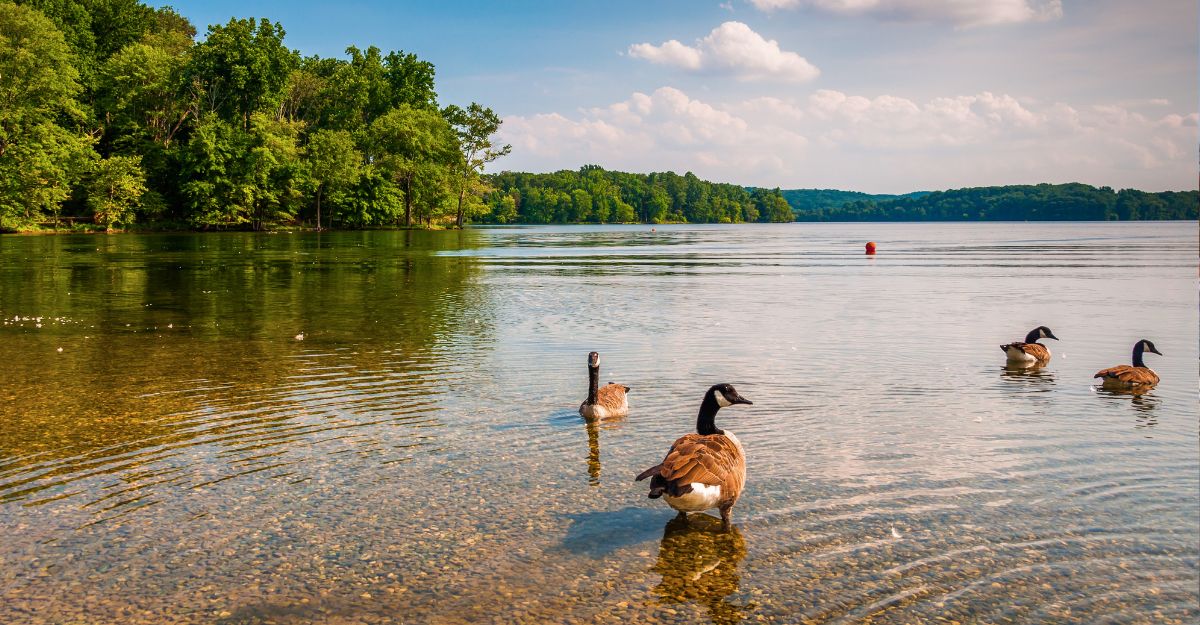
<point x="1041" y="202"/>
<point x="593" y="194"/>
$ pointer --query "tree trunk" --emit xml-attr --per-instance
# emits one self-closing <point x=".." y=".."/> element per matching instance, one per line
<point x="461" y="194"/>
<point x="408" y="202"/>
<point x="319" y="205"/>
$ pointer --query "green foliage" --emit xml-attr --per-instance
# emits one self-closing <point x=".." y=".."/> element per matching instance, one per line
<point x="95" y="29"/>
<point x="1043" y="202"/>
<point x="593" y="194"/>
<point x="241" y="177"/>
<point x="413" y="147"/>
<point x="116" y="190"/>
<point x="474" y="126"/>
<point x="808" y="200"/>
<point x="332" y="164"/>
<point x="140" y="96"/>
<point x="40" y="157"/>
<point x="241" y="68"/>
<point x="771" y="206"/>
<point x="235" y="131"/>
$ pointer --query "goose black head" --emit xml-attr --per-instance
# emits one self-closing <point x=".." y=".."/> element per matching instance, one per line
<point x="1148" y="346"/>
<point x="594" y="360"/>
<point x="726" y="396"/>
<point x="1040" y="332"/>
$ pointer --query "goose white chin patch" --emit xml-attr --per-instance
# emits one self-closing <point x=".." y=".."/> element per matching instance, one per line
<point x="721" y="401"/>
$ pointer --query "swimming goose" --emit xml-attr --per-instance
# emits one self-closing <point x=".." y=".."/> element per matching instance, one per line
<point x="605" y="401"/>
<point x="703" y="470"/>
<point x="1029" y="352"/>
<point x="1138" y="376"/>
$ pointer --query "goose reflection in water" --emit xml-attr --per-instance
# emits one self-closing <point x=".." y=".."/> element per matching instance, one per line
<point x="1143" y="400"/>
<point x="1035" y="378"/>
<point x="698" y="562"/>
<point x="594" y="426"/>
<point x="593" y="460"/>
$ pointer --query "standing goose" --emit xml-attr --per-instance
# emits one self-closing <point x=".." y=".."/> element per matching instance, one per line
<point x="1125" y="377"/>
<point x="703" y="470"/>
<point x="1029" y="352"/>
<point x="605" y="401"/>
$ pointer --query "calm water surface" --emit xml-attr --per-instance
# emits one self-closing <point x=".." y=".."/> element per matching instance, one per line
<point x="171" y="453"/>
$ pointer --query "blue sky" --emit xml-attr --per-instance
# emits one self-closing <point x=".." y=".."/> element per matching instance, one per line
<point x="870" y="95"/>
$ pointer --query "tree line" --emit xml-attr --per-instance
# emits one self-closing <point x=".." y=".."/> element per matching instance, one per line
<point x="593" y="194"/>
<point x="112" y="111"/>
<point x="1042" y="202"/>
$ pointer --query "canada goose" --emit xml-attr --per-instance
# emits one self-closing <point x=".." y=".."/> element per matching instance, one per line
<point x="1136" y="377"/>
<point x="605" y="401"/>
<point x="703" y="470"/>
<point x="1029" y="352"/>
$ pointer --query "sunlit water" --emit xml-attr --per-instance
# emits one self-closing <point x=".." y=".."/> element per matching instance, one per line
<point x="417" y="456"/>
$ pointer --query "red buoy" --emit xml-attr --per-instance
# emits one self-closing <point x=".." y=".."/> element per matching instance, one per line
<point x="870" y="247"/>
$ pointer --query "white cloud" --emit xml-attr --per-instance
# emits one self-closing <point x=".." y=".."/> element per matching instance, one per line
<point x="883" y="143"/>
<point x="731" y="48"/>
<point x="669" y="53"/>
<point x="965" y="13"/>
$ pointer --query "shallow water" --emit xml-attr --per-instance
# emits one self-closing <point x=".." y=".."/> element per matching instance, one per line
<point x="417" y="456"/>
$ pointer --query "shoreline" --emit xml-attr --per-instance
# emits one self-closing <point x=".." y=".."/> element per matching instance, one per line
<point x="53" y="232"/>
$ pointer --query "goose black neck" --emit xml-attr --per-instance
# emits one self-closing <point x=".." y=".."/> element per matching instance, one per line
<point x="593" y="384"/>
<point x="706" y="420"/>
<point x="1032" y="337"/>
<point x="1137" y="355"/>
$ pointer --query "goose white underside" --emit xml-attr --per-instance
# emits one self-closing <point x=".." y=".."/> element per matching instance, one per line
<point x="595" y="411"/>
<point x="703" y="497"/>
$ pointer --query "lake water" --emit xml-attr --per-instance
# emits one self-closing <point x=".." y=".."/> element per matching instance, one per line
<point x="171" y="453"/>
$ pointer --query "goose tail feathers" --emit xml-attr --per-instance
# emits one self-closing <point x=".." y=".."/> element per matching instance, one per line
<point x="648" y="472"/>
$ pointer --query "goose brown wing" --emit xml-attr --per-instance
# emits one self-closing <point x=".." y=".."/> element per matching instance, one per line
<point x="1132" y="376"/>
<point x="1037" y="350"/>
<point x="708" y="459"/>
<point x="1112" y="372"/>
<point x="612" y="396"/>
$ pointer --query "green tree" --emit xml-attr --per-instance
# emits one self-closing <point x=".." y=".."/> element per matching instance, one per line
<point x="139" y="93"/>
<point x="410" y="80"/>
<point x="241" y="68"/>
<point x="772" y="207"/>
<point x="474" y="127"/>
<point x="411" y="143"/>
<point x="332" y="162"/>
<point x="115" y="190"/>
<point x="276" y="173"/>
<point x="214" y="169"/>
<point x="41" y="156"/>
<point x="505" y="209"/>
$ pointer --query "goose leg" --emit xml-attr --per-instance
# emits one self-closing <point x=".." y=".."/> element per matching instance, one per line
<point x="682" y="516"/>
<point x="726" y="516"/>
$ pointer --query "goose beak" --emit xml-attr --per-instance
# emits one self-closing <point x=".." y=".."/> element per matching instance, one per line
<point x="742" y="400"/>
<point x="1155" y="350"/>
<point x="1051" y="336"/>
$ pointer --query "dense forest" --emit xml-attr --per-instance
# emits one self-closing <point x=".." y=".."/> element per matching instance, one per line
<point x="113" y="112"/>
<point x="1043" y="202"/>
<point x="593" y="194"/>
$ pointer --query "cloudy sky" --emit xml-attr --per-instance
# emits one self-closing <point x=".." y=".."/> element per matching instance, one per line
<point x="881" y="96"/>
